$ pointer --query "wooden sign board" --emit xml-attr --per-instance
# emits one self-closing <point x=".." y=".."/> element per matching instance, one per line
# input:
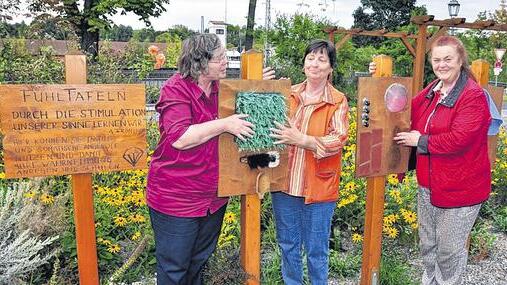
<point x="497" y="95"/>
<point x="236" y="177"/>
<point x="68" y="129"/>
<point x="383" y="109"/>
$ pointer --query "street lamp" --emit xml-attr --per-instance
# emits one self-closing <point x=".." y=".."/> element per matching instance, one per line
<point x="453" y="7"/>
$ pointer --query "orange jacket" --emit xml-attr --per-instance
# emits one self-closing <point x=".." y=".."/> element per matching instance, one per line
<point x="322" y="176"/>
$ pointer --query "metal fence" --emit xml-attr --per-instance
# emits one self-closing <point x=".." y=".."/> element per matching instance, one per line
<point x="156" y="78"/>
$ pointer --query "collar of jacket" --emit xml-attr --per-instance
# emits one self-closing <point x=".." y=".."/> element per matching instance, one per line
<point x="453" y="96"/>
<point x="328" y="97"/>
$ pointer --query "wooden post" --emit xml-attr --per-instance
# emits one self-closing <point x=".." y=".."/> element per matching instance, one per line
<point x="420" y="60"/>
<point x="75" y="73"/>
<point x="480" y="69"/>
<point x="251" y="68"/>
<point x="375" y="188"/>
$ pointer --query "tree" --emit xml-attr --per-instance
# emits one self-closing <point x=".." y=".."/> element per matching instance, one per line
<point x="119" y="33"/>
<point x="181" y="31"/>
<point x="290" y="36"/>
<point x="386" y="14"/>
<point x="95" y="15"/>
<point x="250" y="22"/>
<point x="46" y="26"/>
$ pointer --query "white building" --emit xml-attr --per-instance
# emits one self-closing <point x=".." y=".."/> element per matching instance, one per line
<point x="220" y="29"/>
<point x="233" y="59"/>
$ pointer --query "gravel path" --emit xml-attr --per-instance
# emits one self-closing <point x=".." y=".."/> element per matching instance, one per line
<point x="489" y="271"/>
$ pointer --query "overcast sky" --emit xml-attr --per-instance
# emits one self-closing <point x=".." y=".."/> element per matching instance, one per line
<point x="189" y="12"/>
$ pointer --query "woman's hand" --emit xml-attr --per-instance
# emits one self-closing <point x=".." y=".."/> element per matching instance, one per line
<point x="287" y="135"/>
<point x="407" y="138"/>
<point x="237" y="126"/>
<point x="268" y="73"/>
<point x="372" y="67"/>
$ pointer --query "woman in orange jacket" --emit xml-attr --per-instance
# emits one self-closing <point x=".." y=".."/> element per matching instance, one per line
<point x="316" y="134"/>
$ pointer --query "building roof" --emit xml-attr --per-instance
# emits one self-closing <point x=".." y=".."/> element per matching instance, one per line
<point x="62" y="47"/>
<point x="218" y="23"/>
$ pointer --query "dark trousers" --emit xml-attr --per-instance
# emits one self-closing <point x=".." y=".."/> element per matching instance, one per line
<point x="183" y="245"/>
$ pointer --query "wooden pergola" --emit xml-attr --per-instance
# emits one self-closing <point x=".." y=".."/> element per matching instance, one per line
<point x="418" y="44"/>
<point x="422" y="40"/>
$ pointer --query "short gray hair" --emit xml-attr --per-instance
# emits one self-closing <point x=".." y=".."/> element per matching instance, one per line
<point x="196" y="51"/>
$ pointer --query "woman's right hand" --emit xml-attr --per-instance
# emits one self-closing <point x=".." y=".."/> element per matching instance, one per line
<point x="372" y="67"/>
<point x="239" y="127"/>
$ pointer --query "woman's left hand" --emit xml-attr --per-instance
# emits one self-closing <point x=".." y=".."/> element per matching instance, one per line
<point x="287" y="135"/>
<point x="268" y="73"/>
<point x="407" y="138"/>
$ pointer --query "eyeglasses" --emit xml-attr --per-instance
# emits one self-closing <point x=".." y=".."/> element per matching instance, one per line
<point x="219" y="59"/>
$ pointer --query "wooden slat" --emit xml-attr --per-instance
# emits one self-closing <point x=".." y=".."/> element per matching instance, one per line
<point x="408" y="45"/>
<point x="420" y="57"/>
<point x="342" y="41"/>
<point x="251" y="68"/>
<point x="75" y="73"/>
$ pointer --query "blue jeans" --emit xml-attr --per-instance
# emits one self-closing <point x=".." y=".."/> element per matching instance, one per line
<point x="183" y="245"/>
<point x="298" y="226"/>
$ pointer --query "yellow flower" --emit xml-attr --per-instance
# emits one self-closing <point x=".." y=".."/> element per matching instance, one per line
<point x="351" y="186"/>
<point x="357" y="238"/>
<point x="104" y="241"/>
<point x="392" y="179"/>
<point x="29" y="194"/>
<point x="114" y="248"/>
<point x="47" y="199"/>
<point x="410" y="217"/>
<point x="392" y="233"/>
<point x="414" y="226"/>
<point x="136" y="236"/>
<point x="120" y="221"/>
<point x="2" y="175"/>
<point x="230" y="217"/>
<point x="101" y="190"/>
<point x="137" y="218"/>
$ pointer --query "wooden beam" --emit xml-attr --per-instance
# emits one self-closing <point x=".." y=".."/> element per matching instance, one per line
<point x="342" y="41"/>
<point x="460" y="23"/>
<point x="408" y="45"/>
<point x="420" y="20"/>
<point x="420" y="60"/>
<point x="441" y="31"/>
<point x="250" y="256"/>
<point x="378" y="33"/>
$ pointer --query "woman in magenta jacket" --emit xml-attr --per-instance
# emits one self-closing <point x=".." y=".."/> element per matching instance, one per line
<point x="450" y="120"/>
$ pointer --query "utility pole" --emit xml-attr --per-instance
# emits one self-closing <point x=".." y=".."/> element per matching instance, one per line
<point x="267" y="27"/>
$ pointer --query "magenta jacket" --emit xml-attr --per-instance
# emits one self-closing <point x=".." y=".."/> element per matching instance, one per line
<point x="452" y="153"/>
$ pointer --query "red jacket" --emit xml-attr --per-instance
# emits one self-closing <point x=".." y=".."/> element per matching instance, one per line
<point x="452" y="153"/>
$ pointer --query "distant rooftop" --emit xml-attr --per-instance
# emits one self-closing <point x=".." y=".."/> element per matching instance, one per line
<point x="62" y="47"/>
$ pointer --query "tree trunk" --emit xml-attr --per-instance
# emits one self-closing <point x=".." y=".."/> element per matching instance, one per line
<point x="250" y="24"/>
<point x="89" y="41"/>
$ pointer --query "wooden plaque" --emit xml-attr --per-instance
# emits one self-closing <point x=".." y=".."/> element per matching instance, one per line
<point x="236" y="177"/>
<point x="68" y="129"/>
<point x="497" y="95"/>
<point x="379" y="118"/>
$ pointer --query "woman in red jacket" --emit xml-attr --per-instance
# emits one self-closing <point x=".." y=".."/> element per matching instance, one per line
<point x="450" y="120"/>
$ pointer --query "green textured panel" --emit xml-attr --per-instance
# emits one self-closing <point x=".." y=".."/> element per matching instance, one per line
<point x="262" y="110"/>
